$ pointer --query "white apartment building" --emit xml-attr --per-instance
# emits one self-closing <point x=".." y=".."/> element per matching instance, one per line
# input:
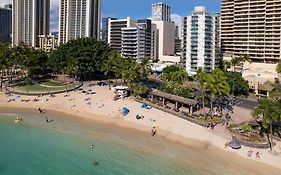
<point x="199" y="41"/>
<point x="30" y="18"/>
<point x="133" y="43"/>
<point x="115" y="31"/>
<point x="161" y="12"/>
<point x="79" y="18"/>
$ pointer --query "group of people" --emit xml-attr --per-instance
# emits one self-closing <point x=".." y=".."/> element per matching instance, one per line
<point x="42" y="111"/>
<point x="211" y="124"/>
<point x="250" y="152"/>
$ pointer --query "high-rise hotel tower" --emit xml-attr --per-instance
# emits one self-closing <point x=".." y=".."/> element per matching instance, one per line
<point x="251" y="27"/>
<point x="79" y="18"/>
<point x="30" y="19"/>
<point x="161" y="12"/>
<point x="199" y="41"/>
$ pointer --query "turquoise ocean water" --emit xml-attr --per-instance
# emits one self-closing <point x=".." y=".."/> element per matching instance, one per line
<point x="62" y="147"/>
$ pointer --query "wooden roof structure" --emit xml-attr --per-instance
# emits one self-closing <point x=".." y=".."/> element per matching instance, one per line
<point x="175" y="98"/>
<point x="268" y="87"/>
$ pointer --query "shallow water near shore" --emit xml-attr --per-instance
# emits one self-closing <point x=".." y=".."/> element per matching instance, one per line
<point x="62" y="147"/>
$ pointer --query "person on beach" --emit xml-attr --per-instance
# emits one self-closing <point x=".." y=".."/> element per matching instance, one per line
<point x="209" y="124"/>
<point x="40" y="110"/>
<point x="153" y="132"/>
<point x="258" y="155"/>
<point x="95" y="163"/>
<point x="250" y="152"/>
<point x="92" y="146"/>
<point x="213" y="124"/>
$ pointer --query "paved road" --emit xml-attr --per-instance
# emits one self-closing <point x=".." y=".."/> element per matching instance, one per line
<point x="246" y="103"/>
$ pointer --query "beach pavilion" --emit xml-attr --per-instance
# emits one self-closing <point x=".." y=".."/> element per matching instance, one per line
<point x="174" y="102"/>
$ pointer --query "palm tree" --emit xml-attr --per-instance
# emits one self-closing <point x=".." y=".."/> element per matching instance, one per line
<point x="177" y="77"/>
<point x="130" y="71"/>
<point x="118" y="65"/>
<point x="108" y="66"/>
<point x="234" y="62"/>
<point x="180" y="76"/>
<point x="270" y="112"/>
<point x="237" y="60"/>
<point x="145" y="68"/>
<point x="216" y="83"/>
<point x="201" y="79"/>
<point x="226" y="64"/>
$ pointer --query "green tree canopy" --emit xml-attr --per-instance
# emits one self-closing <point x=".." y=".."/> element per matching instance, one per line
<point x="269" y="112"/>
<point x="87" y="55"/>
<point x="168" y="69"/>
<point x="145" y="68"/>
<point x="238" y="85"/>
<point x="175" y="77"/>
<point x="201" y="79"/>
<point x="36" y="64"/>
<point x="217" y="83"/>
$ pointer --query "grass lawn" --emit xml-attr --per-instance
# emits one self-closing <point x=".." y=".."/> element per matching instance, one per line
<point x="203" y="120"/>
<point x="37" y="88"/>
<point x="51" y="82"/>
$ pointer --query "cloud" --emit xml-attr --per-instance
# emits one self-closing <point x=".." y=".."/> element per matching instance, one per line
<point x="177" y="19"/>
<point x="3" y="2"/>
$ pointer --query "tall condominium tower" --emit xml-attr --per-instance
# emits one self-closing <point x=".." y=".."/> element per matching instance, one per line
<point x="5" y="23"/>
<point x="199" y="41"/>
<point x="145" y="24"/>
<point x="79" y="18"/>
<point x="161" y="12"/>
<point x="115" y="31"/>
<point x="218" y="51"/>
<point x="251" y="27"/>
<point x="104" y="30"/>
<point x="30" y="19"/>
<point x="133" y="43"/>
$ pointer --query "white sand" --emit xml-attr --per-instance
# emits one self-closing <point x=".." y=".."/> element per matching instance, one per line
<point x="104" y="108"/>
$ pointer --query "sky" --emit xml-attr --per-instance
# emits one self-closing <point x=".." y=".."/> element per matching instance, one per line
<point x="137" y="8"/>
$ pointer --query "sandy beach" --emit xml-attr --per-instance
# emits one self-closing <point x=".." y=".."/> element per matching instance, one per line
<point x="101" y="107"/>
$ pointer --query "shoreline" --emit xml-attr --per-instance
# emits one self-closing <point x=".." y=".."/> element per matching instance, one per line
<point x="236" y="161"/>
<point x="172" y="128"/>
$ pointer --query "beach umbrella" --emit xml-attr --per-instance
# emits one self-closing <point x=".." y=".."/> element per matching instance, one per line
<point x="234" y="145"/>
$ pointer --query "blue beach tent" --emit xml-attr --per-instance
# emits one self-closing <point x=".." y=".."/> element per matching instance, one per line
<point x="125" y="111"/>
<point x="143" y="106"/>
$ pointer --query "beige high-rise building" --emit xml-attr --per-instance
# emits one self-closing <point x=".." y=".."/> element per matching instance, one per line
<point x="251" y="27"/>
<point x="79" y="18"/>
<point x="30" y="18"/>
<point x="164" y="38"/>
